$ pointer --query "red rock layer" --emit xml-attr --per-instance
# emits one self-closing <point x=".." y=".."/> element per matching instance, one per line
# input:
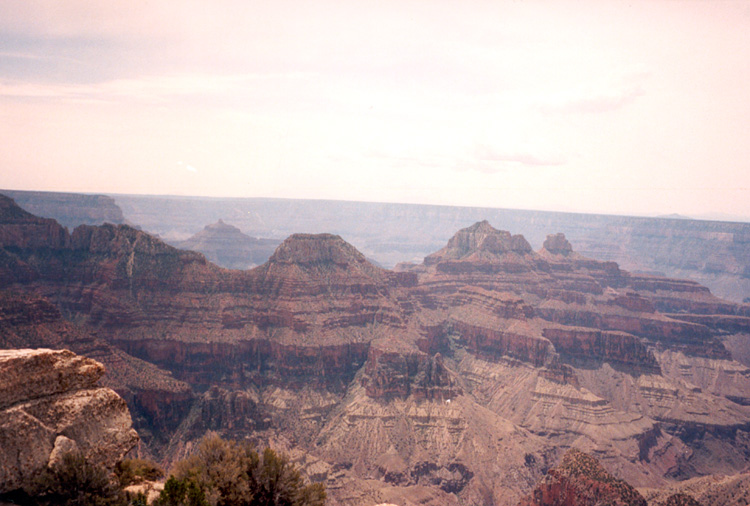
<point x="608" y="346"/>
<point x="580" y="480"/>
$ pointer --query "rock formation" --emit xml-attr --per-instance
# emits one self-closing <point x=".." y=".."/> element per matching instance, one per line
<point x="456" y="380"/>
<point x="713" y="253"/>
<point x="227" y="246"/>
<point x="50" y="404"/>
<point x="581" y="480"/>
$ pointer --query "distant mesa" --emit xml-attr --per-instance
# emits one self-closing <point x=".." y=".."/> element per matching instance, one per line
<point x="317" y="249"/>
<point x="69" y="209"/>
<point x="227" y="246"/>
<point x="675" y="216"/>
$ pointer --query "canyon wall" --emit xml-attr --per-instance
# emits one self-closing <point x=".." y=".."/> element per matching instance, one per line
<point x="458" y="379"/>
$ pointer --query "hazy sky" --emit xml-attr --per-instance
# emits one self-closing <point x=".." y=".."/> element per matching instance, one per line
<point x="638" y="107"/>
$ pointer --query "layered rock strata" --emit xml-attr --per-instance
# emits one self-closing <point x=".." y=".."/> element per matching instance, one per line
<point x="424" y="384"/>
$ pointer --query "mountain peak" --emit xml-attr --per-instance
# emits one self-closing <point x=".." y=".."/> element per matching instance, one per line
<point x="480" y="239"/>
<point x="229" y="247"/>
<point x="221" y="226"/>
<point x="557" y="244"/>
<point x="316" y="249"/>
<point x="312" y="264"/>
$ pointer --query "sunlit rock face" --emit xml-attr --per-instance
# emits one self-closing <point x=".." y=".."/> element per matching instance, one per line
<point x="50" y="404"/>
<point x="459" y="380"/>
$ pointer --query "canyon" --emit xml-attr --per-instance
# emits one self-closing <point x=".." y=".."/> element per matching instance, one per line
<point x="461" y="378"/>
<point x="713" y="253"/>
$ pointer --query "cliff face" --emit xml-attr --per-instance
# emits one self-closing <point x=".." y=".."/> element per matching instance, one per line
<point x="479" y="363"/>
<point x="21" y="229"/>
<point x="157" y="400"/>
<point x="50" y="404"/>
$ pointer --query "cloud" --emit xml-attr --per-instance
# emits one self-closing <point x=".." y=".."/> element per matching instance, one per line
<point x="188" y="167"/>
<point x="19" y="55"/>
<point x="592" y="103"/>
<point x="148" y="89"/>
<point x="490" y="160"/>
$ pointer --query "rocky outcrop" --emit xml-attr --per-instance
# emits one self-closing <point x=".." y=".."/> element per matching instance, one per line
<point x="477" y="242"/>
<point x="557" y="244"/>
<point x="50" y="404"/>
<point x="515" y="341"/>
<point x="581" y="480"/>
<point x="390" y="374"/>
<point x="156" y="399"/>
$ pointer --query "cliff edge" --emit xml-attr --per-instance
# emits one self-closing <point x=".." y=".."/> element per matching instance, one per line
<point x="50" y="404"/>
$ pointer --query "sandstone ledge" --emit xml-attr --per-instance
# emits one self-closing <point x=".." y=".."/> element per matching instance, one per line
<point x="50" y="404"/>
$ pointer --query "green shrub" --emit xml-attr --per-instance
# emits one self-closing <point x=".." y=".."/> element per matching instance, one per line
<point x="138" y="499"/>
<point x="133" y="471"/>
<point x="75" y="482"/>
<point x="227" y="473"/>
<point x="274" y="481"/>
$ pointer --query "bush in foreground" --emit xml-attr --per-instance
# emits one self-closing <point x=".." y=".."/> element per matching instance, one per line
<point x="134" y="471"/>
<point x="227" y="473"/>
<point x="76" y="482"/>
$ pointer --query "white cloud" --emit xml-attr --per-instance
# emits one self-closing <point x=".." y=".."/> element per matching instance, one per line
<point x="144" y="89"/>
<point x="488" y="154"/>
<point x="187" y="167"/>
<point x="591" y="102"/>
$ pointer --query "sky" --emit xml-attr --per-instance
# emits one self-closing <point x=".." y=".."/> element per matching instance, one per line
<point x="637" y="107"/>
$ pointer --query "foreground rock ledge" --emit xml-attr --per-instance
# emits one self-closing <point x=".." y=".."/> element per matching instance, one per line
<point x="49" y="405"/>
